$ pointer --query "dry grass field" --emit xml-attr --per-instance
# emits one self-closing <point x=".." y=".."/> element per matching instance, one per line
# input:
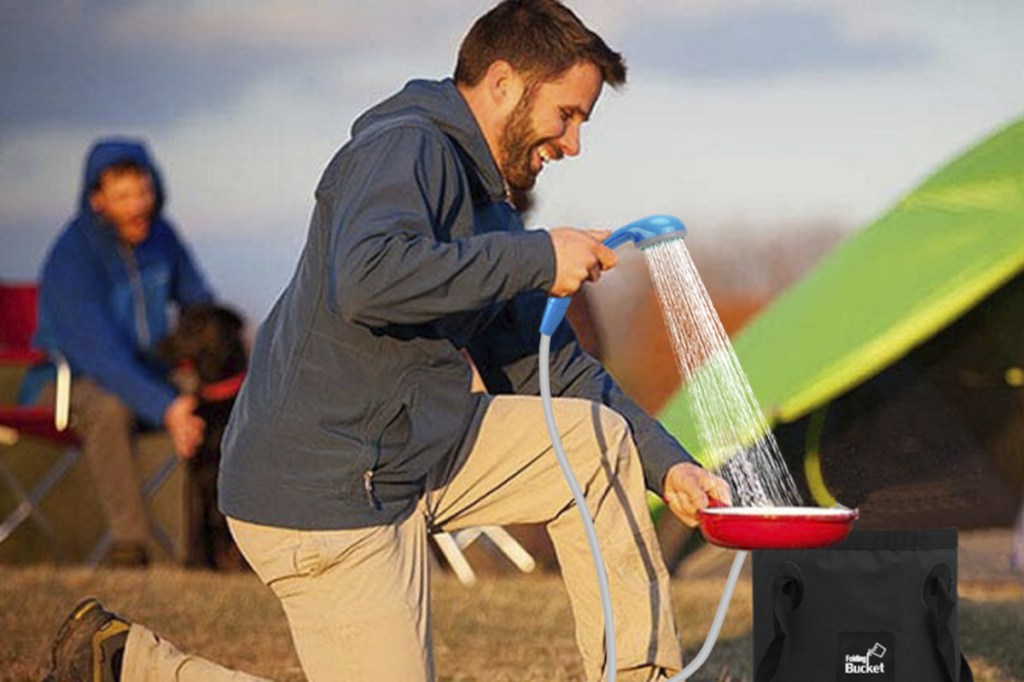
<point x="508" y="627"/>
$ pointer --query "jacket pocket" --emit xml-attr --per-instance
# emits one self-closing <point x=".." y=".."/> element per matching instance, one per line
<point x="388" y="434"/>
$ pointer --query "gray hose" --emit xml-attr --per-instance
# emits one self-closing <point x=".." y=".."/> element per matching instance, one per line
<point x="581" y="504"/>
<point x="595" y="548"/>
<point x="716" y="624"/>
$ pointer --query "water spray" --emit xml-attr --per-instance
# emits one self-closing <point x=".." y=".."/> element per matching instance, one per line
<point x="723" y="526"/>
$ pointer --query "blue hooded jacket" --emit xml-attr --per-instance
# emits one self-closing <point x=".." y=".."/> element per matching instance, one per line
<point x="104" y="305"/>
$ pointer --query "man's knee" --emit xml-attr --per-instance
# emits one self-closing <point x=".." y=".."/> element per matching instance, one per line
<point x="612" y="430"/>
<point x="102" y="408"/>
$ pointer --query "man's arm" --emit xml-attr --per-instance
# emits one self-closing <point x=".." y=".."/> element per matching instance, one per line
<point x="576" y="373"/>
<point x="396" y="200"/>
<point x="86" y="334"/>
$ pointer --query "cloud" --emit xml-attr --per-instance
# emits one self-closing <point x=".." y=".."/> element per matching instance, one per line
<point x="68" y="63"/>
<point x="151" y="63"/>
<point x="762" y="42"/>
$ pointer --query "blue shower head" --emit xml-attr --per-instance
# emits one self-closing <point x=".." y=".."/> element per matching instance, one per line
<point x="643" y="233"/>
<point x="647" y="231"/>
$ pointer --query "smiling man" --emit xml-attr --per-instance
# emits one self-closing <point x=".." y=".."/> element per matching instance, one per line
<point x="357" y="433"/>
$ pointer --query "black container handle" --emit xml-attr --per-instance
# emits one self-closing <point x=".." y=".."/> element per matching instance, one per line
<point x="787" y="593"/>
<point x="941" y="603"/>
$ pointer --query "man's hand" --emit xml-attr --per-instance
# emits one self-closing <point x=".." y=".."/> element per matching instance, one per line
<point x="579" y="257"/>
<point x="186" y="429"/>
<point x="688" y="488"/>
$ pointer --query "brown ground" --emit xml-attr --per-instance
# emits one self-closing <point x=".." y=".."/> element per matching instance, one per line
<point x="508" y="627"/>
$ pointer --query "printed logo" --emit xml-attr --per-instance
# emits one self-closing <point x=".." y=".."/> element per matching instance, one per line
<point x="861" y="665"/>
<point x="866" y="656"/>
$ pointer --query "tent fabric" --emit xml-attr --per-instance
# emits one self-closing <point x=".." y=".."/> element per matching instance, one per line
<point x="925" y="441"/>
<point x="941" y="250"/>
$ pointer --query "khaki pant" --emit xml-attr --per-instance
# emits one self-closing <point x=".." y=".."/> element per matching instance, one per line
<point x="150" y="658"/>
<point x="106" y="428"/>
<point x="357" y="601"/>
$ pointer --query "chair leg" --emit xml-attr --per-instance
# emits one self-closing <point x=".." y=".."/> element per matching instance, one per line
<point x="456" y="559"/>
<point x="155" y="482"/>
<point x="502" y="540"/>
<point x="149" y="489"/>
<point x="452" y="544"/>
<point x="22" y="511"/>
<point x="466" y="537"/>
<point x="510" y="547"/>
<point x="28" y="505"/>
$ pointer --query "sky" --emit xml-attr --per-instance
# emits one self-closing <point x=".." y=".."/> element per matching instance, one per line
<point x="738" y="117"/>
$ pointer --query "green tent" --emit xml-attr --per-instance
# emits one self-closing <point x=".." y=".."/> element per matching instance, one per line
<point x="950" y="251"/>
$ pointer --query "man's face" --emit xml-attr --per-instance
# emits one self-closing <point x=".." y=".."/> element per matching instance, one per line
<point x="545" y="124"/>
<point x="126" y="200"/>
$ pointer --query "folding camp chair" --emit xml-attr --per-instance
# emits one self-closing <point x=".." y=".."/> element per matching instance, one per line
<point x="18" y="320"/>
<point x="452" y="544"/>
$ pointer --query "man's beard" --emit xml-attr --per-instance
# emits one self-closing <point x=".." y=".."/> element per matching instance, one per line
<point x="518" y="141"/>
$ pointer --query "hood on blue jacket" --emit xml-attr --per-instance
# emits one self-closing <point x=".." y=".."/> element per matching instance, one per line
<point x="108" y="152"/>
<point x="441" y="103"/>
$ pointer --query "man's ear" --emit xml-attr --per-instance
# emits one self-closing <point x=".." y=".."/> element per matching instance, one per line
<point x="505" y="85"/>
<point x="96" y="202"/>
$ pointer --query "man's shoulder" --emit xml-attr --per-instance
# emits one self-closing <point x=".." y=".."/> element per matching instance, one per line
<point x="404" y="139"/>
<point x="396" y="135"/>
<point x="397" y="122"/>
<point x="74" y="242"/>
<point x="163" y="243"/>
<point x="163" y="230"/>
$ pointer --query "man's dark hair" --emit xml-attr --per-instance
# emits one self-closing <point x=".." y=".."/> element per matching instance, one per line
<point x="119" y="168"/>
<point x="539" y="38"/>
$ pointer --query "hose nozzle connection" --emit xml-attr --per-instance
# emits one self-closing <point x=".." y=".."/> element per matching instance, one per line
<point x="643" y="233"/>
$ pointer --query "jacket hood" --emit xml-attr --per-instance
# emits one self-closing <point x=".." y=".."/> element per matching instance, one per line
<point x="108" y="152"/>
<point x="441" y="103"/>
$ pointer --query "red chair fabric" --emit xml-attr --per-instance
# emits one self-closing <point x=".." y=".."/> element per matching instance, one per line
<point x="18" y="320"/>
<point x="18" y="316"/>
<point x="35" y="421"/>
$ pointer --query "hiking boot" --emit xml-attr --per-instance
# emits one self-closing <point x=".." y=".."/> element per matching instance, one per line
<point x="89" y="646"/>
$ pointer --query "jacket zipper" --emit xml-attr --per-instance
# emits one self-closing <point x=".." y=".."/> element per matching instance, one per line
<point x="371" y="497"/>
<point x="368" y="487"/>
<point x="138" y="297"/>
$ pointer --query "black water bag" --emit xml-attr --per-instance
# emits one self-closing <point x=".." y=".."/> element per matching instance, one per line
<point x="878" y="607"/>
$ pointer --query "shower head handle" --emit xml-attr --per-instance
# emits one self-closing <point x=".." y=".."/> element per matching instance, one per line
<point x="643" y="233"/>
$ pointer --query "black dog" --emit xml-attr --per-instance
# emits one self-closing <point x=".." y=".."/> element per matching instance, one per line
<point x="209" y="339"/>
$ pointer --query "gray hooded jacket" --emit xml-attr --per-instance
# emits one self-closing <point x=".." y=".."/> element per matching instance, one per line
<point x="357" y="387"/>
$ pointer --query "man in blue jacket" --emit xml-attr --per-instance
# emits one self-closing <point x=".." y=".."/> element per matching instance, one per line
<point x="356" y="431"/>
<point x="105" y="294"/>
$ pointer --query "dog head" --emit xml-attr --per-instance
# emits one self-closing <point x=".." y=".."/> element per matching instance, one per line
<point x="210" y="337"/>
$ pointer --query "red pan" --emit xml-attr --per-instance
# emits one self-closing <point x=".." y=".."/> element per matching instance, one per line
<point x="775" y="527"/>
